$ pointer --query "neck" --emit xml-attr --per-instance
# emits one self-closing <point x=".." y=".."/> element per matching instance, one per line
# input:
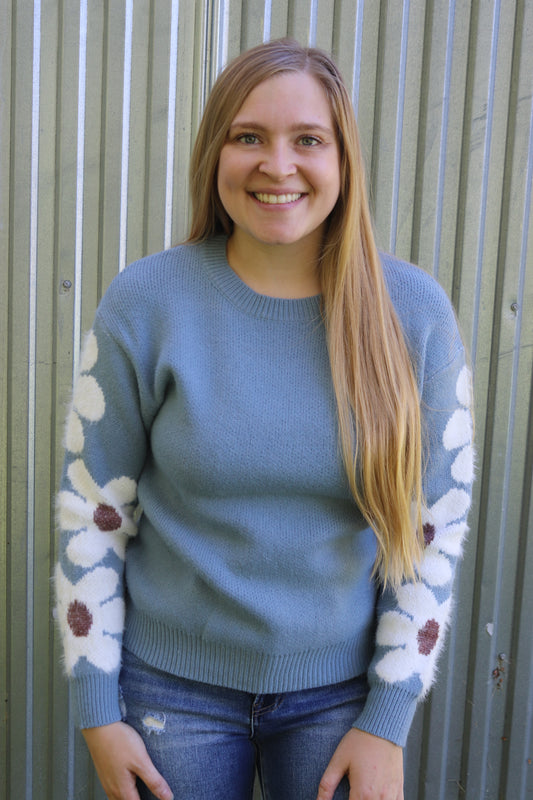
<point x="277" y="270"/>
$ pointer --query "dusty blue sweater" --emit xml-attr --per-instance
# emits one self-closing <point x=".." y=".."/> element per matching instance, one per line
<point x="206" y="521"/>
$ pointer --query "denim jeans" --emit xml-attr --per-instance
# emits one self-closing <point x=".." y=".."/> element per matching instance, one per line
<point x="208" y="741"/>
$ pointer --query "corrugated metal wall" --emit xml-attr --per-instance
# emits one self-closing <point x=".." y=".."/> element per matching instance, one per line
<point x="99" y="101"/>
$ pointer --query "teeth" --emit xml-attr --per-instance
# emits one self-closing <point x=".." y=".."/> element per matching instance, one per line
<point x="275" y="199"/>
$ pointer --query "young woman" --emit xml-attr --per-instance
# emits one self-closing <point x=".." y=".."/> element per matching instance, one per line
<point x="267" y="474"/>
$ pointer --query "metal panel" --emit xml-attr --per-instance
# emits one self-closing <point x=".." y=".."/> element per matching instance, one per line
<point x="99" y="103"/>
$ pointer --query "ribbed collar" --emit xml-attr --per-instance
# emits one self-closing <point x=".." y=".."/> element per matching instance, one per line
<point x="244" y="298"/>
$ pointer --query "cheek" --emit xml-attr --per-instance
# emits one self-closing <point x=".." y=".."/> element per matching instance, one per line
<point x="333" y="184"/>
<point x="229" y="173"/>
<point x="327" y="176"/>
<point x="221" y="173"/>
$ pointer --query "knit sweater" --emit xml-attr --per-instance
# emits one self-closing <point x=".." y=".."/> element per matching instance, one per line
<point x="206" y="521"/>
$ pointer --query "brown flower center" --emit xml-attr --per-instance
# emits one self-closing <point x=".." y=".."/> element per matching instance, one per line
<point x="106" y="518"/>
<point x="79" y="618"/>
<point x="429" y="533"/>
<point x="427" y="637"/>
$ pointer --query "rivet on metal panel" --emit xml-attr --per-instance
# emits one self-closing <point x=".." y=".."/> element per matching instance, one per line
<point x="66" y="285"/>
<point x="514" y="308"/>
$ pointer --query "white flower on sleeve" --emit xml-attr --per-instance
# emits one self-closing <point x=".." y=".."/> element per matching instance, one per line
<point x="89" y="617"/>
<point x="414" y="632"/>
<point x="103" y="517"/>
<point x="414" y="636"/>
<point x="459" y="430"/>
<point x="443" y="534"/>
<point x="88" y="399"/>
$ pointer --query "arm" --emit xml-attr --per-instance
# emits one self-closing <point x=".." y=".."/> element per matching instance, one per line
<point x="412" y="620"/>
<point x="105" y="447"/>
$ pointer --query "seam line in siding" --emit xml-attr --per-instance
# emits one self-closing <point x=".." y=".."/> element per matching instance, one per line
<point x="485" y="179"/>
<point x="267" y="20"/>
<point x="313" y="23"/>
<point x="477" y="300"/>
<point x="80" y="184"/>
<point x="222" y="55"/>
<point x="126" y="109"/>
<point x="32" y="347"/>
<point x="520" y="298"/>
<point x="444" y="137"/>
<point x="171" y="129"/>
<point x="399" y="125"/>
<point x="358" y="43"/>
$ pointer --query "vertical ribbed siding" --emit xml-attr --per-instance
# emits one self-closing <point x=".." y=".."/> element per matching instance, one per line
<point x="99" y="103"/>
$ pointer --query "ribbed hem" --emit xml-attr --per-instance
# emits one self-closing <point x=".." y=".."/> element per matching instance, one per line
<point x="218" y="664"/>
<point x="388" y="713"/>
<point x="97" y="700"/>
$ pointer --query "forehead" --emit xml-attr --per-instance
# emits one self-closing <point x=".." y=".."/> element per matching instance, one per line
<point x="288" y="96"/>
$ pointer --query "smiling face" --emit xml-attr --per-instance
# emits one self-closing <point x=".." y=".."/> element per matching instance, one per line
<point x="279" y="170"/>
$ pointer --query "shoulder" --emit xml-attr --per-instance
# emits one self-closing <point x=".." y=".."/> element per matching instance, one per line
<point x="157" y="286"/>
<point x="425" y="313"/>
<point x="413" y="289"/>
<point x="152" y="277"/>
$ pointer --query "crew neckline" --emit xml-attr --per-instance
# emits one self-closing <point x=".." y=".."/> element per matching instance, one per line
<point x="246" y="299"/>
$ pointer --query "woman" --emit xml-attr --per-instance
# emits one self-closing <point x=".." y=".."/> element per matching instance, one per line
<point x="275" y="419"/>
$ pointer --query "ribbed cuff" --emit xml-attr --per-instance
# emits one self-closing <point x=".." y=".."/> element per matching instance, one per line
<point x="96" y="699"/>
<point x="388" y="713"/>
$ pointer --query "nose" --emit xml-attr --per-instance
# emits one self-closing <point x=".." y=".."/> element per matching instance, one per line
<point x="278" y="161"/>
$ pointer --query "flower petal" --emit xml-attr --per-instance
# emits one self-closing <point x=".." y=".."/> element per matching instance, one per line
<point x="463" y="466"/>
<point x="89" y="399"/>
<point x="464" y="387"/>
<point x="104" y="652"/>
<point x="89" y="547"/>
<point x="458" y="431"/>
<point x="435" y="568"/>
<point x="395" y="666"/>
<point x="449" y="508"/>
<point x="74" y="438"/>
<point x="89" y="352"/>
<point x="394" y="629"/>
<point x="450" y="538"/>
<point x="418" y="601"/>
<point x="120" y="490"/>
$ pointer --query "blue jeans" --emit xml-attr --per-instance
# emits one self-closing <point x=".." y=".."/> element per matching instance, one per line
<point x="208" y="741"/>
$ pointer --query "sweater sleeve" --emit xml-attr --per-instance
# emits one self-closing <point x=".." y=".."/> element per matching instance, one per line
<point x="412" y="620"/>
<point x="105" y="448"/>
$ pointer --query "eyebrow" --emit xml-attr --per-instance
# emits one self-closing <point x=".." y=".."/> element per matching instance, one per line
<point x="299" y="126"/>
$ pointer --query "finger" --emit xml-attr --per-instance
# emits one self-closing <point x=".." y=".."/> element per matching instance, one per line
<point x="329" y="782"/>
<point x="155" y="782"/>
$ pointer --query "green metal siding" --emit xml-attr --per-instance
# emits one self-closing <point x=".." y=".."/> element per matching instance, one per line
<point x="99" y="104"/>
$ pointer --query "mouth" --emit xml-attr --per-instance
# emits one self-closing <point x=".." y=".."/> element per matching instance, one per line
<point x="277" y="199"/>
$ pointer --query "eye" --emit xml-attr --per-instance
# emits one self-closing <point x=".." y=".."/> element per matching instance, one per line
<point x="309" y="141"/>
<point x="248" y="138"/>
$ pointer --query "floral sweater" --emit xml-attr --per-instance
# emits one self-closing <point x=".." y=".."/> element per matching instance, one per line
<point x="206" y="522"/>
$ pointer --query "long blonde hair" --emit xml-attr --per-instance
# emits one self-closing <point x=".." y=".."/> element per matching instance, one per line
<point x="377" y="397"/>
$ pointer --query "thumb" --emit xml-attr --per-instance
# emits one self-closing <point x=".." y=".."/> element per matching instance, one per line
<point x="154" y="780"/>
<point x="330" y="780"/>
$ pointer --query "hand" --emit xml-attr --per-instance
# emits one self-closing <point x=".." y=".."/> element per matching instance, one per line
<point x="119" y="756"/>
<point x="374" y="768"/>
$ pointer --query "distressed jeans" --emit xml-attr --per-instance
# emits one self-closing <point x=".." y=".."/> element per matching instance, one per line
<point x="208" y="741"/>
